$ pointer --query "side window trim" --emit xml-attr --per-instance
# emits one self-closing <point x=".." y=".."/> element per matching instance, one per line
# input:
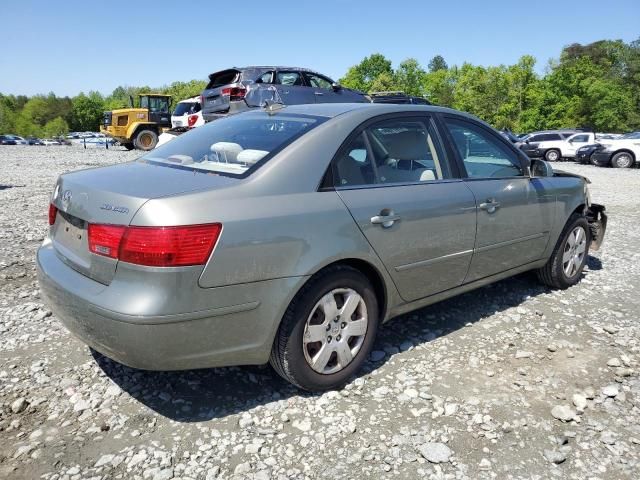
<point x="428" y="119"/>
<point x="458" y="159"/>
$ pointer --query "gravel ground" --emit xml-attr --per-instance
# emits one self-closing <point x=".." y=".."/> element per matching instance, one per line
<point x="509" y="381"/>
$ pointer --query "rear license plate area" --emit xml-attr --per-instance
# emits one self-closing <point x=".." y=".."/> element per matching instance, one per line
<point x="72" y="233"/>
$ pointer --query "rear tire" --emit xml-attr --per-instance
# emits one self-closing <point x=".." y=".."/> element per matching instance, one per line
<point x="312" y="325"/>
<point x="622" y="160"/>
<point x="146" y="140"/>
<point x="552" y="155"/>
<point x="569" y="256"/>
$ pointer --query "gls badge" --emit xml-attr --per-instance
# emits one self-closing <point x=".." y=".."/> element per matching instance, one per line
<point x="111" y="208"/>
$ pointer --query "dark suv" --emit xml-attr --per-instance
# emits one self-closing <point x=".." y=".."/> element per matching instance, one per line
<point x="237" y="89"/>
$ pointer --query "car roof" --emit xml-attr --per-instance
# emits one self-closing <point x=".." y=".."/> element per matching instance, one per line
<point x="331" y="110"/>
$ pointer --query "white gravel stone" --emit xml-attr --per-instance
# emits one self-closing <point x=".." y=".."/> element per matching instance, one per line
<point x="435" y="452"/>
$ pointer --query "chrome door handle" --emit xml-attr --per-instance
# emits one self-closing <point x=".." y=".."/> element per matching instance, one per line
<point x="490" y="205"/>
<point x="386" y="218"/>
<point x="318" y="93"/>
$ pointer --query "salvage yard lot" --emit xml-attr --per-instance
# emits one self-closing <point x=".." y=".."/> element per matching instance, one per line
<point x="509" y="381"/>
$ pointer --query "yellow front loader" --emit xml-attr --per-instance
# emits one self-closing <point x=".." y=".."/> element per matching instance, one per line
<point x="139" y="127"/>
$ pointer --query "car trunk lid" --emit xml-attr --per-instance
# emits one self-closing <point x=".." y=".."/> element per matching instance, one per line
<point x="112" y="196"/>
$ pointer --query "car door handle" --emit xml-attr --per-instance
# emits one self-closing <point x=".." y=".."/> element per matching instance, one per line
<point x="318" y="93"/>
<point x="490" y="205"/>
<point x="386" y="218"/>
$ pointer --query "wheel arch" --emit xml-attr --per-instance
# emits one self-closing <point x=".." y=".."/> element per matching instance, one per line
<point x="134" y="128"/>
<point x="624" y="150"/>
<point x="373" y="274"/>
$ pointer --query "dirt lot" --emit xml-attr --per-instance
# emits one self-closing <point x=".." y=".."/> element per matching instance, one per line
<point x="510" y="381"/>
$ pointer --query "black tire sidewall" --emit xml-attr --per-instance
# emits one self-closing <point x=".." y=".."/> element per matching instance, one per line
<point x="146" y="131"/>
<point x="303" y="374"/>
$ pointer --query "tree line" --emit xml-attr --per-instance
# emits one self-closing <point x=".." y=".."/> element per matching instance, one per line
<point x="52" y="116"/>
<point x="594" y="86"/>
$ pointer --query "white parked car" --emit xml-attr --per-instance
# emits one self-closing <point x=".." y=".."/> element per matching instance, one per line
<point x="554" y="150"/>
<point x="621" y="152"/>
<point x="50" y="141"/>
<point x="187" y="114"/>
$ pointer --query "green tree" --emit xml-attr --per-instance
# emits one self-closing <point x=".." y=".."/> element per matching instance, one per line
<point x="437" y="63"/>
<point x="56" y="128"/>
<point x="361" y="76"/>
<point x="87" y="111"/>
<point x="409" y="77"/>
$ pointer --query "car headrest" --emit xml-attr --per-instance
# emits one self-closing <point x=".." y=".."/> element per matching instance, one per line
<point x="408" y="145"/>
<point x="251" y="157"/>
<point x="226" y="151"/>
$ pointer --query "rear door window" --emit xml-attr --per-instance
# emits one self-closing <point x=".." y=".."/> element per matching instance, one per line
<point x="290" y="78"/>
<point x="394" y="151"/>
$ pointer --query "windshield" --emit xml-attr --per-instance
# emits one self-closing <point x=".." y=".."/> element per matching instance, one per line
<point x="233" y="145"/>
<point x="186" y="108"/>
<point x="632" y="135"/>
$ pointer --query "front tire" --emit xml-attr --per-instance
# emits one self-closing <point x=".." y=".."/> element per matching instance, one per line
<point x="569" y="256"/>
<point x="328" y="330"/>
<point x="622" y="160"/>
<point x="552" y="155"/>
<point x="146" y="140"/>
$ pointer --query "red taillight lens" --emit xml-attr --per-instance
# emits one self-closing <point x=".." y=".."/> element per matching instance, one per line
<point x="105" y="239"/>
<point x="234" y="93"/>
<point x="53" y="211"/>
<point x="155" y="246"/>
<point x="191" y="120"/>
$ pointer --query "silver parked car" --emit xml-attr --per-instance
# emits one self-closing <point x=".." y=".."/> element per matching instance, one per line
<point x="238" y="89"/>
<point x="289" y="234"/>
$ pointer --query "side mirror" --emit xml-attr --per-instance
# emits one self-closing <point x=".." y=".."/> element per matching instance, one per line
<point x="336" y="86"/>
<point x="540" y="168"/>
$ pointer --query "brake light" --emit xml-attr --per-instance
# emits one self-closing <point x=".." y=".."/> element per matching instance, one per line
<point x="105" y="239"/>
<point x="53" y="212"/>
<point x="155" y="246"/>
<point x="234" y="93"/>
<point x="191" y="120"/>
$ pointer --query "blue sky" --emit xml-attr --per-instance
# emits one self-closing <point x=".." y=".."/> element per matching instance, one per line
<point x="72" y="46"/>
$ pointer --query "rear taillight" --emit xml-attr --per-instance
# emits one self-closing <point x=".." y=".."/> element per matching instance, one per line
<point x="234" y="93"/>
<point x="191" y="120"/>
<point x="105" y="239"/>
<point x="155" y="246"/>
<point x="53" y="211"/>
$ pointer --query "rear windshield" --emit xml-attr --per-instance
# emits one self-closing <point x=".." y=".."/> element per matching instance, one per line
<point x="233" y="146"/>
<point x="223" y="78"/>
<point x="186" y="107"/>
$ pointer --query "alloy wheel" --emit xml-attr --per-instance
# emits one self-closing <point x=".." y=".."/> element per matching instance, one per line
<point x="624" y="161"/>
<point x="574" y="251"/>
<point x="335" y="330"/>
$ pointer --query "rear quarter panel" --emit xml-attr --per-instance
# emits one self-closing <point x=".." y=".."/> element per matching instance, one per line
<point x="268" y="237"/>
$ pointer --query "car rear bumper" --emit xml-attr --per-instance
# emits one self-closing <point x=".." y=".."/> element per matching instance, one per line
<point x="237" y="329"/>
